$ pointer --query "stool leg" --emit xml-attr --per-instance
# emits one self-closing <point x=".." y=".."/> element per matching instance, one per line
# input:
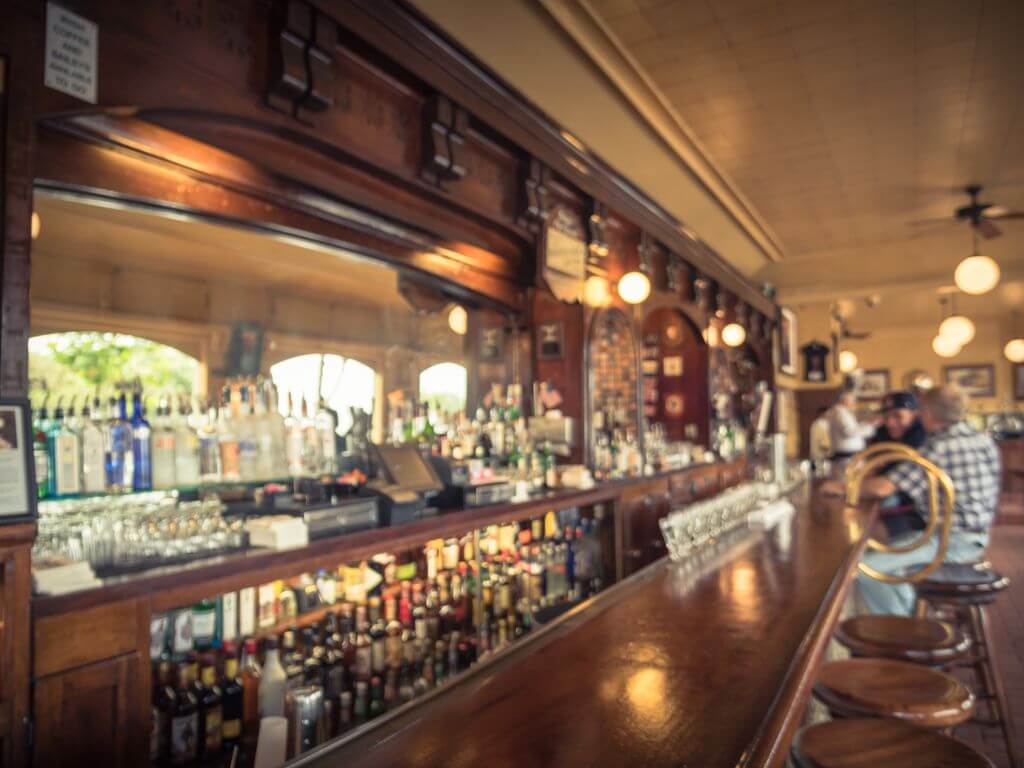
<point x="992" y="681"/>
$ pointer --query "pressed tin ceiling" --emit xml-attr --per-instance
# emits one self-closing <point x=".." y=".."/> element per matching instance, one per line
<point x="841" y="121"/>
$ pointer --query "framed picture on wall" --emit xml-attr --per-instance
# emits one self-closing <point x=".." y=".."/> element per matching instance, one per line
<point x="492" y="344"/>
<point x="787" y="338"/>
<point x="17" y="468"/>
<point x="873" y="384"/>
<point x="550" y="344"/>
<point x="1018" y="381"/>
<point x="973" y="380"/>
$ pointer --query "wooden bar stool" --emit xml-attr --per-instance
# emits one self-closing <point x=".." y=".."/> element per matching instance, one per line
<point x="920" y="640"/>
<point x="963" y="592"/>
<point x="874" y="743"/>
<point x="894" y="689"/>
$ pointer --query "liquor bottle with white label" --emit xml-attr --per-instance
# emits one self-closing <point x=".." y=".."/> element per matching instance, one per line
<point x="164" y="439"/>
<point x="326" y="428"/>
<point x="186" y="447"/>
<point x="229" y="469"/>
<point x="94" y="460"/>
<point x="65" y="456"/>
<point x="209" y="447"/>
<point x="248" y="442"/>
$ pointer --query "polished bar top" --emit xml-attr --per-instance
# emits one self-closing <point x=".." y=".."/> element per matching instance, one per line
<point x="171" y="586"/>
<point x="704" y="664"/>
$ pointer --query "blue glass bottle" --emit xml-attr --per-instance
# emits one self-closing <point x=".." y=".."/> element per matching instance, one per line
<point x="118" y="447"/>
<point x="142" y="467"/>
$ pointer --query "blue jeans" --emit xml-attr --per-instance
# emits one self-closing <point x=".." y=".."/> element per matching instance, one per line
<point x="899" y="599"/>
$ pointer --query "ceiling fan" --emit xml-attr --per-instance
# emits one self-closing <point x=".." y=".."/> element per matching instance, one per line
<point x="981" y="216"/>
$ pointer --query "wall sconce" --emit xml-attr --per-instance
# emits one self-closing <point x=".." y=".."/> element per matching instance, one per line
<point x="458" y="319"/>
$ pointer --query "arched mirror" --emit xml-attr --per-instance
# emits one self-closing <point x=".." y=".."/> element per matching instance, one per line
<point x="613" y="395"/>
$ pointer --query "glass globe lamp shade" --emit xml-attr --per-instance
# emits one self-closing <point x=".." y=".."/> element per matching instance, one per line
<point x="733" y="335"/>
<point x="958" y="328"/>
<point x="847" y="361"/>
<point x="596" y="292"/>
<point x="634" y="287"/>
<point x="1014" y="350"/>
<point x="458" y="319"/>
<point x="976" y="275"/>
<point x="944" y="346"/>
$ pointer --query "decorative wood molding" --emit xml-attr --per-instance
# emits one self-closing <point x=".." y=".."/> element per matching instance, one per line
<point x="703" y="289"/>
<point x="446" y="127"/>
<point x="597" y="222"/>
<point x="537" y="196"/>
<point x="647" y="250"/>
<point x="674" y="269"/>
<point x="302" y="61"/>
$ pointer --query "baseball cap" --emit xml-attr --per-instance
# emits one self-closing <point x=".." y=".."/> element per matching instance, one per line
<point x="895" y="400"/>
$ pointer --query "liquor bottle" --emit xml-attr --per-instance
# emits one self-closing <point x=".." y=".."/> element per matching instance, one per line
<point x="378" y="638"/>
<point x="272" y="683"/>
<point x="263" y="429"/>
<point x="41" y="452"/>
<point x="209" y="447"/>
<point x="142" y="468"/>
<point x="291" y="659"/>
<point x="363" y="666"/>
<point x="163" y="448"/>
<point x="211" y="713"/>
<point x="252" y="674"/>
<point x="294" y="440"/>
<point x="65" y="456"/>
<point x="311" y="448"/>
<point x="361" y="704"/>
<point x="248" y="443"/>
<point x="326" y="428"/>
<point x="184" y="733"/>
<point x="227" y="618"/>
<point x="277" y="428"/>
<point x="186" y="448"/>
<point x="312" y="663"/>
<point x="376" y="696"/>
<point x="118" y="445"/>
<point x="94" y="469"/>
<point x="204" y="624"/>
<point x="233" y="700"/>
<point x="344" y="712"/>
<point x="164" y="699"/>
<point x="393" y="641"/>
<point x="229" y="465"/>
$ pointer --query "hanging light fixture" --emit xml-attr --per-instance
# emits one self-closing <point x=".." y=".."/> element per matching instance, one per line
<point x="733" y="335"/>
<point x="976" y="274"/>
<point x="458" y="319"/>
<point x="944" y="346"/>
<point x="596" y="292"/>
<point x="634" y="287"/>
<point x="957" y="327"/>
<point x="1014" y="349"/>
<point x="847" y="361"/>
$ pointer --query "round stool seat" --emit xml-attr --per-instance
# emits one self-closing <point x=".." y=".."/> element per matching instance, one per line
<point x="878" y="743"/>
<point x="897" y="689"/>
<point x="974" y="582"/>
<point x="924" y="641"/>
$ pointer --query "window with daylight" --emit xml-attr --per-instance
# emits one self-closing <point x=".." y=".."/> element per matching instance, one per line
<point x="343" y="383"/>
<point x="444" y="387"/>
<point x="87" y="364"/>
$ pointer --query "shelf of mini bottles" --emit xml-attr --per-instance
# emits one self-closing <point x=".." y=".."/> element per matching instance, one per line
<point x="371" y="635"/>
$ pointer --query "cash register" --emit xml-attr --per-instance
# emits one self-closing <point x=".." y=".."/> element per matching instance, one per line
<point x="405" y="484"/>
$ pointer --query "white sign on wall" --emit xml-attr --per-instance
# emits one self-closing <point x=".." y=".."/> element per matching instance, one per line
<point x="71" y="53"/>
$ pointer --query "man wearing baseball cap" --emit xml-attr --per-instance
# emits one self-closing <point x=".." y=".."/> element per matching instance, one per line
<point x="900" y="424"/>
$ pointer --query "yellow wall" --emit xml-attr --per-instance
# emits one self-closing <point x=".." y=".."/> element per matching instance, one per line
<point x="904" y="348"/>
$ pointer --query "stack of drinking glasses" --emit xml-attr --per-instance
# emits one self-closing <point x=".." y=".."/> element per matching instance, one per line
<point x="686" y="530"/>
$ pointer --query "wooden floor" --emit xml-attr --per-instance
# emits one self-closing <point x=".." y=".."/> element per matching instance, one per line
<point x="1007" y="618"/>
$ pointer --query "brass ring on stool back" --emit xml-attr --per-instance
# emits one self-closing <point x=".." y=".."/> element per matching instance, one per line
<point x="885" y="453"/>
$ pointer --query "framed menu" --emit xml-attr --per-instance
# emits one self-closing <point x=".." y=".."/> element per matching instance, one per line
<point x="17" y="475"/>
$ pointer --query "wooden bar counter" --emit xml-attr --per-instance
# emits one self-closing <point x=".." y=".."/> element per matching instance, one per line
<point x="705" y="664"/>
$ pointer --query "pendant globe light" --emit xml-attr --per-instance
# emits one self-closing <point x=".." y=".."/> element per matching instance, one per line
<point x="847" y="361"/>
<point x="943" y="346"/>
<point x="1014" y="348"/>
<point x="957" y="327"/>
<point x="733" y="335"/>
<point x="976" y="274"/>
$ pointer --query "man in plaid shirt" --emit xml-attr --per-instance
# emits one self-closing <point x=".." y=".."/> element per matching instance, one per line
<point x="971" y="460"/>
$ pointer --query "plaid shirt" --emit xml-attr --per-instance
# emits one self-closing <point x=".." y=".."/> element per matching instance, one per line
<point x="971" y="460"/>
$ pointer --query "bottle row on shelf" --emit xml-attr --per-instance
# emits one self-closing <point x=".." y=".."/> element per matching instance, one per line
<point x="353" y="643"/>
<point x="184" y="444"/>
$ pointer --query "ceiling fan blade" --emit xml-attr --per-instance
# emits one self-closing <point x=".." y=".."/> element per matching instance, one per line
<point x="1005" y="214"/>
<point x="987" y="229"/>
